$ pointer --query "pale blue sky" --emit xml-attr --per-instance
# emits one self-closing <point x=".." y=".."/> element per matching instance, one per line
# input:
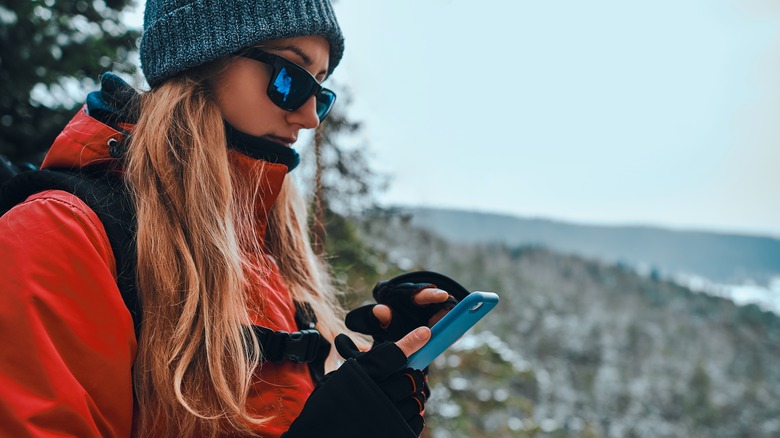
<point x="663" y="112"/>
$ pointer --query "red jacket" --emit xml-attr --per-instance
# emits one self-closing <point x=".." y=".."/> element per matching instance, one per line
<point x="68" y="343"/>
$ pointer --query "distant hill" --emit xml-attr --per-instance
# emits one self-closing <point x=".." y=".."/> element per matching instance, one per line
<point x="722" y="258"/>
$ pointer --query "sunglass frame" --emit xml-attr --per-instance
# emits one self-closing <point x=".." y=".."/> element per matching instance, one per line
<point x="277" y="63"/>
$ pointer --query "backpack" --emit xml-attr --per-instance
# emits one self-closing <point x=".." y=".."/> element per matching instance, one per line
<point x="105" y="193"/>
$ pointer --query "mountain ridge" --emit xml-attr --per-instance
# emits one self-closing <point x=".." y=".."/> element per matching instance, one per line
<point x="593" y="224"/>
<point x="719" y="256"/>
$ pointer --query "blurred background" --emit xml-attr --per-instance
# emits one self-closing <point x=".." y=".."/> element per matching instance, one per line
<point x="609" y="168"/>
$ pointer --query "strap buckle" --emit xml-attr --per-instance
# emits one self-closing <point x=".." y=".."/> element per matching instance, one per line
<point x="302" y="345"/>
<point x="277" y="346"/>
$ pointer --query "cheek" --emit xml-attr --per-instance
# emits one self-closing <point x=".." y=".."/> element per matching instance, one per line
<point x="243" y="101"/>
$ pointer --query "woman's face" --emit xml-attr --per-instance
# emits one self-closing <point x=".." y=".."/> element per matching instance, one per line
<point x="241" y="90"/>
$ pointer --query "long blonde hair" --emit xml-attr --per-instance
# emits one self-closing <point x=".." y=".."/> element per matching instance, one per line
<point x="196" y="361"/>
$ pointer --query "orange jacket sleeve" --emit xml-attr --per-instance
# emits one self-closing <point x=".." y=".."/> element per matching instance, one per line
<point x="68" y="343"/>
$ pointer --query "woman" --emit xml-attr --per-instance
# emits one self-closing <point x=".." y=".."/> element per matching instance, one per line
<point x="222" y="252"/>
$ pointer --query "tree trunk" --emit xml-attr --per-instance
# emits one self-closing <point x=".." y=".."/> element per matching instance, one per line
<point x="318" y="203"/>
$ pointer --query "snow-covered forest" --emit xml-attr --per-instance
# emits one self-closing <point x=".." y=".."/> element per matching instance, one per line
<point x="579" y="348"/>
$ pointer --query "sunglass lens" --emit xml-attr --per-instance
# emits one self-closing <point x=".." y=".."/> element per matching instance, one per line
<point x="325" y="101"/>
<point x="296" y="86"/>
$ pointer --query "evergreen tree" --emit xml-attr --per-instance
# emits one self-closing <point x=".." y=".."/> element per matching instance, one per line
<point x="344" y="184"/>
<point x="344" y="179"/>
<point x="52" y="53"/>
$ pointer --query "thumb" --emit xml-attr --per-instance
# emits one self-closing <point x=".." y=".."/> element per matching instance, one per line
<point x="383" y="314"/>
<point x="414" y="340"/>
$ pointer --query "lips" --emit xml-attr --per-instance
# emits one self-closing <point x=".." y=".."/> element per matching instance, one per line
<point x="284" y="141"/>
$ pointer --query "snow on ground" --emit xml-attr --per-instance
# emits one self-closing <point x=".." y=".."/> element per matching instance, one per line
<point x="766" y="297"/>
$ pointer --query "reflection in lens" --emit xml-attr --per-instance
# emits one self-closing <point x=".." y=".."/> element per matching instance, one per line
<point x="283" y="83"/>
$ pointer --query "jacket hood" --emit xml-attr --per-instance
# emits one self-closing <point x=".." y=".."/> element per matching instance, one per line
<point x="94" y="134"/>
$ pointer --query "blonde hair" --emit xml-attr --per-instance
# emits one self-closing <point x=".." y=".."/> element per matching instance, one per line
<point x="196" y="236"/>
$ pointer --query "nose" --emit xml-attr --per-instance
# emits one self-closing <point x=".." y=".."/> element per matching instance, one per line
<point x="306" y="115"/>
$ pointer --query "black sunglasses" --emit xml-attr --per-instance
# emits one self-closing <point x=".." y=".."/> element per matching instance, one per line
<point x="292" y="85"/>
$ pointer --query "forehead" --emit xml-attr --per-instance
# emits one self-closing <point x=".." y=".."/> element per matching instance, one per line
<point x="311" y="52"/>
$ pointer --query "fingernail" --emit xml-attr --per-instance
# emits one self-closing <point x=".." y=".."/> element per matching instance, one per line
<point x="420" y="333"/>
<point x="441" y="292"/>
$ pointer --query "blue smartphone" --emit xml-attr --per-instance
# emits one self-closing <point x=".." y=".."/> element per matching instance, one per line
<point x="454" y="324"/>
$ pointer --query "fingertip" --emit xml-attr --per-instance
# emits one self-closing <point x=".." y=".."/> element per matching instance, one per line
<point x="377" y="309"/>
<point x="422" y="334"/>
<point x="431" y="296"/>
<point x="442" y="296"/>
<point x="383" y="314"/>
<point x="414" y="340"/>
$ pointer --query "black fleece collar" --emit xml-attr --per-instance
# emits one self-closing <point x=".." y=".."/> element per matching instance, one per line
<point x="115" y="103"/>
<point x="261" y="149"/>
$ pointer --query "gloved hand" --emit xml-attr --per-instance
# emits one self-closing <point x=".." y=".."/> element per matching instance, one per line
<point x="406" y="388"/>
<point x="372" y="394"/>
<point x="405" y="302"/>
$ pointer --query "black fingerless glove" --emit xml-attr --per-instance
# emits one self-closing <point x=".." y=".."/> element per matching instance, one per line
<point x="407" y="388"/>
<point x="372" y="394"/>
<point x="398" y="294"/>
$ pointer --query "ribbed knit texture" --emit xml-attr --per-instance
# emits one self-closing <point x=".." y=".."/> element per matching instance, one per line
<point x="182" y="34"/>
<point x="261" y="149"/>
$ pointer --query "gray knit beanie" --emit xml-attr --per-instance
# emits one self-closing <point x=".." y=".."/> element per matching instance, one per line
<point x="181" y="34"/>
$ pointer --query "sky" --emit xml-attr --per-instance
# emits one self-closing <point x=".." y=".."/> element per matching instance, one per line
<point x="663" y="113"/>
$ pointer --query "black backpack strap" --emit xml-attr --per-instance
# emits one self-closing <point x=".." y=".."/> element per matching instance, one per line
<point x="306" y="319"/>
<point x="104" y="192"/>
<point x="304" y="346"/>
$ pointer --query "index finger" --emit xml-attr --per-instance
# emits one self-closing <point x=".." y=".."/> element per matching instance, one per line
<point x="430" y="295"/>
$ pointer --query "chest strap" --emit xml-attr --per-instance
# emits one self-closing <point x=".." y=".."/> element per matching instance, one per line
<point x="306" y="345"/>
<point x="300" y="347"/>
